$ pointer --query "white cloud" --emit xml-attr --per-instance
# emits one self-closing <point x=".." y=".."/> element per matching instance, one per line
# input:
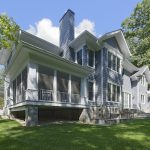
<point x="85" y="24"/>
<point x="47" y="31"/>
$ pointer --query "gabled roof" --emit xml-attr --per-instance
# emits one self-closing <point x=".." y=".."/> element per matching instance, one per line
<point x="85" y="38"/>
<point x="38" y="42"/>
<point x="143" y="70"/>
<point x="118" y="34"/>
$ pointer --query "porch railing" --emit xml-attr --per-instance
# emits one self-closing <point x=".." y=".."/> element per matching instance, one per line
<point x="62" y="97"/>
<point x="45" y="95"/>
<point x="75" y="98"/>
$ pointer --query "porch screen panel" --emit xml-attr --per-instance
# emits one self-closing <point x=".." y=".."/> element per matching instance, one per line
<point x="24" y="82"/>
<point x="62" y="82"/>
<point x="75" y="85"/>
<point x="19" y="90"/>
<point x="14" y="91"/>
<point x="46" y="76"/>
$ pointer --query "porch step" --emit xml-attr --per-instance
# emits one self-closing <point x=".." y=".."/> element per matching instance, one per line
<point x="143" y="115"/>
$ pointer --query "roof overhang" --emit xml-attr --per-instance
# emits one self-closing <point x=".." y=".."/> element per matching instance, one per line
<point x="129" y="66"/>
<point x="4" y="55"/>
<point x="120" y="39"/>
<point x="42" y="56"/>
<point x="85" y="38"/>
<point x="142" y="71"/>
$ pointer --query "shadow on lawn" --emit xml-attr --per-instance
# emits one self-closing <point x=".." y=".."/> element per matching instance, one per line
<point x="127" y="136"/>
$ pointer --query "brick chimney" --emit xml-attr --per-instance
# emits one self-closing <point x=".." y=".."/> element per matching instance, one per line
<point x="66" y="32"/>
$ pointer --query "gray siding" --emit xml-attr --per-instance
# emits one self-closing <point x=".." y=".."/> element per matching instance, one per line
<point x="126" y="87"/>
<point x="98" y="78"/>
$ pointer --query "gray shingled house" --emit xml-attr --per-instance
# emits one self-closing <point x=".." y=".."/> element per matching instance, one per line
<point x="86" y="78"/>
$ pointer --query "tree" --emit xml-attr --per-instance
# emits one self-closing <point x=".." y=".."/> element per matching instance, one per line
<point x="137" y="32"/>
<point x="8" y="32"/>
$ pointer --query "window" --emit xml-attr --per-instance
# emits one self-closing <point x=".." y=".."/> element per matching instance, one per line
<point x="90" y="90"/>
<point x="113" y="92"/>
<point x="109" y="60"/>
<point x="143" y="80"/>
<point x="91" y="58"/>
<point x="79" y="57"/>
<point x="113" y="62"/>
<point x="143" y="99"/>
<point x="127" y="100"/>
<point x="118" y="64"/>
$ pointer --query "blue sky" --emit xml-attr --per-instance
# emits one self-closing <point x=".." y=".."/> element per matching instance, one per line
<point x="41" y="17"/>
<point x="106" y="14"/>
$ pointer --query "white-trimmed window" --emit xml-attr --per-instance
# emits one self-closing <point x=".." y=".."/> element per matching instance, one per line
<point x="113" y="92"/>
<point x="113" y="62"/>
<point x="143" y="99"/>
<point x="127" y="100"/>
<point x="91" y="90"/>
<point x="79" y="56"/>
<point x="143" y="80"/>
<point x="91" y="58"/>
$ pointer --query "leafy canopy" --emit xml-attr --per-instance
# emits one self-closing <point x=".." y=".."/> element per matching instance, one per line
<point x="8" y="30"/>
<point x="137" y="32"/>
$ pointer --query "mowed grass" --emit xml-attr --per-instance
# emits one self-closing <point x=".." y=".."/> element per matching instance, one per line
<point x="133" y="135"/>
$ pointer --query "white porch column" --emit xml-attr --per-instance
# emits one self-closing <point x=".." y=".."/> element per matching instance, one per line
<point x="55" y="86"/>
<point x="69" y="88"/>
<point x="84" y="91"/>
<point x="32" y="82"/>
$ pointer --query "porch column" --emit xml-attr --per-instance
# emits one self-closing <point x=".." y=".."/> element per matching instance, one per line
<point x="55" y="86"/>
<point x="69" y="88"/>
<point x="84" y="91"/>
<point x="32" y="82"/>
<point x="31" y="116"/>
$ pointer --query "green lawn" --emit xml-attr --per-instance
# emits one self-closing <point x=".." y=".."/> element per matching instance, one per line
<point x="134" y="135"/>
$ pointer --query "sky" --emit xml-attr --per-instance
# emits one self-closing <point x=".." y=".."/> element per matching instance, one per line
<point x="41" y="17"/>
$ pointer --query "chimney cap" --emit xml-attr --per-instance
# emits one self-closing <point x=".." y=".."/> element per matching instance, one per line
<point x="69" y="10"/>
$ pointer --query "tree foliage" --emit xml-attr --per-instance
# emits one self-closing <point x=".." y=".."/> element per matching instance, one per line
<point x="137" y="32"/>
<point x="8" y="30"/>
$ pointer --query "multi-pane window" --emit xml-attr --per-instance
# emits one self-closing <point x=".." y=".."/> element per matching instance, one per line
<point x="127" y="100"/>
<point x="91" y="58"/>
<point x="143" y="80"/>
<point x="90" y="90"/>
<point x="113" y="92"/>
<point x="143" y="99"/>
<point x="113" y="62"/>
<point x="79" y="57"/>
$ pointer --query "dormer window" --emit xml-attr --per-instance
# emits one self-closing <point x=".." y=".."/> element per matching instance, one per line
<point x="91" y="60"/>
<point x="79" y="57"/>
